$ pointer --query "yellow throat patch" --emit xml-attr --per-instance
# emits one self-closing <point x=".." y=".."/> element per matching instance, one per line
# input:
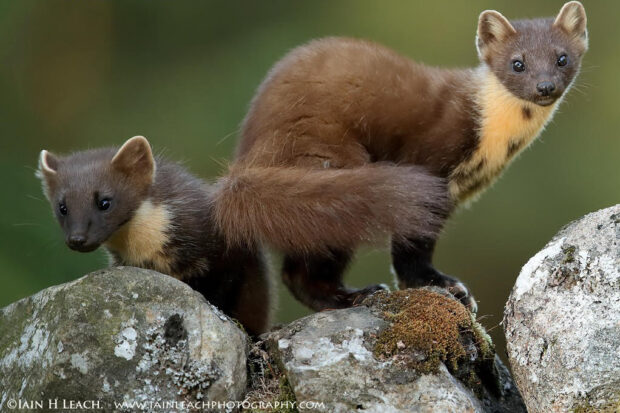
<point x="507" y="126"/>
<point x="142" y="240"/>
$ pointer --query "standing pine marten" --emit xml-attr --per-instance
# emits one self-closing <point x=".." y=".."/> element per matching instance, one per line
<point x="346" y="139"/>
<point x="153" y="214"/>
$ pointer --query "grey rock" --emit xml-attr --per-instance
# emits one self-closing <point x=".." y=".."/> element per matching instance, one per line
<point x="328" y="357"/>
<point x="122" y="334"/>
<point x="562" y="320"/>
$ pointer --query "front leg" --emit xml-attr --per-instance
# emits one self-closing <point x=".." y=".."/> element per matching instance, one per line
<point x="412" y="262"/>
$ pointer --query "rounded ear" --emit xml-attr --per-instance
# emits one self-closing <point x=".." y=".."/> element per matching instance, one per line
<point x="48" y="164"/>
<point x="493" y="28"/>
<point x="572" y="20"/>
<point x="135" y="159"/>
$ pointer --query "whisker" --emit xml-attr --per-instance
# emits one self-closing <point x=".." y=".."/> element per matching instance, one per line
<point x="31" y="168"/>
<point x="492" y="328"/>
<point x="36" y="198"/>
<point x="586" y="69"/>
<point x="222" y="163"/>
<point x="227" y="136"/>
<point x="483" y="317"/>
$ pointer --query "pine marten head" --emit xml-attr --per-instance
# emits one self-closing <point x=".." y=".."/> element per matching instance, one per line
<point x="536" y="60"/>
<point x="95" y="192"/>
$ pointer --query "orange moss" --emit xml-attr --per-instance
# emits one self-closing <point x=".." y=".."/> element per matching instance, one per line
<point x="427" y="328"/>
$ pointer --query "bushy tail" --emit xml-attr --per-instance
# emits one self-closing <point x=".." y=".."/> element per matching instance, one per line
<point x="307" y="210"/>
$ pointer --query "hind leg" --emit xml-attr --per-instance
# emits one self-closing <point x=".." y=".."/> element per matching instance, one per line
<point x="316" y="281"/>
<point x="255" y="302"/>
<point x="412" y="262"/>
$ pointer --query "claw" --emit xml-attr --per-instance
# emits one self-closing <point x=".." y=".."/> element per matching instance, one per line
<point x="460" y="291"/>
<point x="365" y="292"/>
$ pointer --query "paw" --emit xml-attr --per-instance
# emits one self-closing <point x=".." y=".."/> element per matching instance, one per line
<point x="359" y="295"/>
<point x="382" y="286"/>
<point x="461" y="293"/>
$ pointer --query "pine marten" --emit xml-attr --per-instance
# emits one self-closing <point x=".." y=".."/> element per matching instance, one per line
<point x="346" y="140"/>
<point x="152" y="213"/>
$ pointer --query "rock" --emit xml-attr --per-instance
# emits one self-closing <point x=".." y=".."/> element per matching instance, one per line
<point x="562" y="320"/>
<point x="335" y="357"/>
<point x="122" y="334"/>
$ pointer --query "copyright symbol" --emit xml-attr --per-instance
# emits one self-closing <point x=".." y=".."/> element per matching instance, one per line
<point x="11" y="404"/>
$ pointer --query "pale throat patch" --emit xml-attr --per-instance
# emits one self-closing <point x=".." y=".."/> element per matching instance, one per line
<point x="507" y="126"/>
<point x="140" y="242"/>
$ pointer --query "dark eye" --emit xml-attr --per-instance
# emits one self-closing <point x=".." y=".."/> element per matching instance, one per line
<point x="518" y="66"/>
<point x="104" y="204"/>
<point x="62" y="208"/>
<point x="562" y="60"/>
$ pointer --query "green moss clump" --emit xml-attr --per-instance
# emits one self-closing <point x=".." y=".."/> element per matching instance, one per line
<point x="428" y="328"/>
<point x="286" y="395"/>
<point x="609" y="408"/>
<point x="238" y="324"/>
<point x="268" y="384"/>
<point x="612" y="405"/>
<point x="483" y="339"/>
<point x="569" y="253"/>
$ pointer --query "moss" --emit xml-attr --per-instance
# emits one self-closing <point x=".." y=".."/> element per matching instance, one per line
<point x="268" y="384"/>
<point x="286" y="395"/>
<point x="612" y="405"/>
<point x="483" y="339"/>
<point x="238" y="324"/>
<point x="568" y="270"/>
<point x="608" y="408"/>
<point x="569" y="253"/>
<point x="428" y="328"/>
<point x="473" y="382"/>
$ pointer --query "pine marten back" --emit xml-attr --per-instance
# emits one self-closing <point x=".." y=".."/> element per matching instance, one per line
<point x="389" y="145"/>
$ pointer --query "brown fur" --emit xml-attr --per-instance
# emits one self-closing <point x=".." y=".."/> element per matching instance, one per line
<point x="160" y="217"/>
<point x="346" y="139"/>
<point x="257" y="201"/>
<point x="334" y="106"/>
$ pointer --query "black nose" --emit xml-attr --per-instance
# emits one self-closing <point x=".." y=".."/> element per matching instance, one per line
<point x="77" y="240"/>
<point x="545" y="88"/>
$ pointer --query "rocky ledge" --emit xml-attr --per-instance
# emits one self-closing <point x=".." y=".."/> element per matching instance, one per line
<point x="133" y="339"/>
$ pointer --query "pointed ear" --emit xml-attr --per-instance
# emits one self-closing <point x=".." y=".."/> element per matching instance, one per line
<point x="135" y="159"/>
<point x="572" y="20"/>
<point x="47" y="172"/>
<point x="493" y="28"/>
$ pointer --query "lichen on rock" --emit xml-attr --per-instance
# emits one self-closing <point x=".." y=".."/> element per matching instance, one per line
<point x="562" y="319"/>
<point x="332" y="357"/>
<point x="120" y="335"/>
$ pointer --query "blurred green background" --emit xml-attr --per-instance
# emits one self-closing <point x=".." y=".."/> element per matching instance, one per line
<point x="80" y="74"/>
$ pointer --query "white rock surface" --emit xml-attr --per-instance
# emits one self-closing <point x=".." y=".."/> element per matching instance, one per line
<point x="562" y="320"/>
<point x="328" y="357"/>
<point x="120" y="335"/>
